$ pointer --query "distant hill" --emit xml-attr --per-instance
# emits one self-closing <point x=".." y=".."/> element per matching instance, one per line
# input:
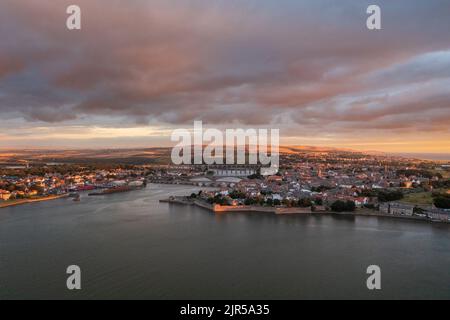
<point x="157" y="155"/>
<point x="132" y="156"/>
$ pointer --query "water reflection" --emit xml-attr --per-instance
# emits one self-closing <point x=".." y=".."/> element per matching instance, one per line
<point x="131" y="246"/>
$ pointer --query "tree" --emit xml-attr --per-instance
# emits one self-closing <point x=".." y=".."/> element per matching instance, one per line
<point x="249" y="201"/>
<point x="318" y="201"/>
<point x="342" y="206"/>
<point x="367" y="193"/>
<point x="255" y="176"/>
<point x="40" y="190"/>
<point x="219" y="200"/>
<point x="386" y="196"/>
<point x="320" y="188"/>
<point x="442" y="202"/>
<point x="419" y="173"/>
<point x="441" y="184"/>
<point x="351" y="206"/>
<point x="304" y="203"/>
<point x="237" y="195"/>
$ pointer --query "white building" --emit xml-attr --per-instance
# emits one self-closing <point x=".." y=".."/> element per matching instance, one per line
<point x="233" y="171"/>
<point x="5" y="195"/>
<point x="397" y="208"/>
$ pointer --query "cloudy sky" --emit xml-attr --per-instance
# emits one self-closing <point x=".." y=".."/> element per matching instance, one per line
<point x="138" y="69"/>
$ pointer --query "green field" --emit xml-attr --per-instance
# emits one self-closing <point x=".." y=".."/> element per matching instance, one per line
<point x="420" y="198"/>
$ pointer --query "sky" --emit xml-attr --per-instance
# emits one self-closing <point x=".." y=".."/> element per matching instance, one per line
<point x="139" y="69"/>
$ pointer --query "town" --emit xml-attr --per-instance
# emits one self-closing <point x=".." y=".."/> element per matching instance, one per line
<point x="308" y="182"/>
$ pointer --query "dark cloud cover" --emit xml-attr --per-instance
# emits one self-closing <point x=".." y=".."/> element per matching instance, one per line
<point x="256" y="62"/>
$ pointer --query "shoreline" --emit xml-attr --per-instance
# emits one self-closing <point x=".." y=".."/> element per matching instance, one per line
<point x="14" y="203"/>
<point x="218" y="209"/>
<point x="242" y="208"/>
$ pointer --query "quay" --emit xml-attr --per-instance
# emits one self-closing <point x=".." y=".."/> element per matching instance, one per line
<point x="239" y="208"/>
<point x="219" y="209"/>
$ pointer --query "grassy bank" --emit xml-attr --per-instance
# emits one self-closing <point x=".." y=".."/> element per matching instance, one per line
<point x="419" y="198"/>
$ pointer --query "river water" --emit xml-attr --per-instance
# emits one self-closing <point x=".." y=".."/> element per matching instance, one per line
<point x="131" y="246"/>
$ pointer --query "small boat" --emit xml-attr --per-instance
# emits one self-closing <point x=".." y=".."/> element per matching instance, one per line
<point x="75" y="196"/>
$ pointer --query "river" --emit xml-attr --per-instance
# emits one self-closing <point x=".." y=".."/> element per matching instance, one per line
<point x="130" y="246"/>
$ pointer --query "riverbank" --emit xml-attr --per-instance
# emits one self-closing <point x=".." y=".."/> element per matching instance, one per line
<point x="373" y="213"/>
<point x="11" y="203"/>
<point x="239" y="208"/>
<point x="218" y="209"/>
<point x="133" y="234"/>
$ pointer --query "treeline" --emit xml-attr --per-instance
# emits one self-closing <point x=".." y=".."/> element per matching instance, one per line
<point x="382" y="195"/>
<point x="441" y="184"/>
<point x="320" y="188"/>
<point x="441" y="200"/>
<point x="300" y="203"/>
<point x="343" y="206"/>
<point x="418" y="173"/>
<point x="65" y="169"/>
<point x="387" y="196"/>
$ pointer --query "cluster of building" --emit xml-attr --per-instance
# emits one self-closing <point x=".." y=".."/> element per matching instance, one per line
<point x="316" y="178"/>
<point x="409" y="210"/>
<point x="28" y="186"/>
<point x="321" y="178"/>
